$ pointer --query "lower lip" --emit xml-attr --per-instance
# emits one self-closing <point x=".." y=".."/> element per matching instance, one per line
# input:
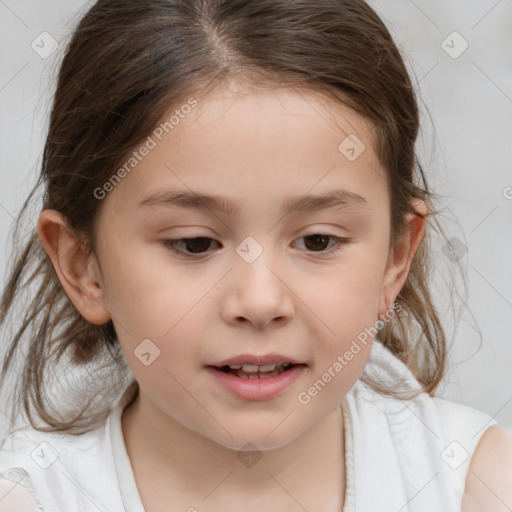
<point x="257" y="389"/>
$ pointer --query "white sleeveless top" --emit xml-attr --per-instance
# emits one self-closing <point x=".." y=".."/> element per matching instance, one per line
<point x="407" y="455"/>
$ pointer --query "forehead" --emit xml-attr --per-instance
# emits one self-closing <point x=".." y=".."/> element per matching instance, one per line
<point x="258" y="145"/>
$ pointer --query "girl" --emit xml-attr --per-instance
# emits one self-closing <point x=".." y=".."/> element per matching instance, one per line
<point x="232" y="254"/>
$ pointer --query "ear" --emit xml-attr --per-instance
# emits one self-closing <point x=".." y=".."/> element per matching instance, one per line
<point x="401" y="256"/>
<point x="78" y="272"/>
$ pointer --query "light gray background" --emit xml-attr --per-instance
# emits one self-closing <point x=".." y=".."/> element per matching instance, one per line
<point x="466" y="149"/>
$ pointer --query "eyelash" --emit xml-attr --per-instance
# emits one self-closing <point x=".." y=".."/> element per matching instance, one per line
<point x="171" y="243"/>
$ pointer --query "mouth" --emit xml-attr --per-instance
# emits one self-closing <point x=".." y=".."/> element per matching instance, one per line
<point x="256" y="376"/>
<point x="253" y="371"/>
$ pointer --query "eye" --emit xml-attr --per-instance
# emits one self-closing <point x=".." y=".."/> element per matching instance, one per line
<point x="318" y="241"/>
<point x="190" y="247"/>
<point x="196" y="245"/>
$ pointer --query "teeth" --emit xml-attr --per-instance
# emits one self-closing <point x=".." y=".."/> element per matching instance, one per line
<point x="254" y="368"/>
<point x="250" y="368"/>
<point x="268" y="368"/>
<point x="252" y="371"/>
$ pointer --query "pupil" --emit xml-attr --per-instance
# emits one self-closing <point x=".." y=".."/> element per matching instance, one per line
<point x="316" y="238"/>
<point x="202" y="246"/>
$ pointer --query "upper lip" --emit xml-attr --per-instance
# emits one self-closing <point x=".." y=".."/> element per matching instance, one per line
<point x="259" y="360"/>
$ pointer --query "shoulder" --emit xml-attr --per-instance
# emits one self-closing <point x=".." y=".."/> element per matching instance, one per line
<point x="38" y="469"/>
<point x="14" y="497"/>
<point x="489" y="478"/>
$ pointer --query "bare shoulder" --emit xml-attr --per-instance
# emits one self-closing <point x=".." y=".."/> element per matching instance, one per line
<point x="15" y="498"/>
<point x="489" y="479"/>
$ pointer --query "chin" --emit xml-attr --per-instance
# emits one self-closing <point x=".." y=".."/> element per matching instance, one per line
<point x="255" y="437"/>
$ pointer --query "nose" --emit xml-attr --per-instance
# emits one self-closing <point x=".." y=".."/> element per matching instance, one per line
<point x="259" y="295"/>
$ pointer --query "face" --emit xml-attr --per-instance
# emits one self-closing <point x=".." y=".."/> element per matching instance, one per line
<point x="258" y="279"/>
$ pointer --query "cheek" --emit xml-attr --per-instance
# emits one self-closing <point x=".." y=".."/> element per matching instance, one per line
<point x="347" y="295"/>
<point x="157" y="311"/>
<point x="144" y="288"/>
<point x="346" y="305"/>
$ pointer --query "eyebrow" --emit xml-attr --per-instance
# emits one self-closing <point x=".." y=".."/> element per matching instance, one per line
<point x="339" y="198"/>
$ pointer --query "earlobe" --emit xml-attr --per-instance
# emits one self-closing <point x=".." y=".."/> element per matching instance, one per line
<point x="77" y="271"/>
<point x="402" y="254"/>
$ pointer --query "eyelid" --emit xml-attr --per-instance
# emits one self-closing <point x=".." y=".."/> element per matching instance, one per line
<point x="170" y="244"/>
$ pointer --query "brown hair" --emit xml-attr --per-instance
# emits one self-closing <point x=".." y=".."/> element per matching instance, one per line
<point x="125" y="64"/>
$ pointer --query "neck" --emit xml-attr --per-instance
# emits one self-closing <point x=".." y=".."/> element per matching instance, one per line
<point x="307" y="467"/>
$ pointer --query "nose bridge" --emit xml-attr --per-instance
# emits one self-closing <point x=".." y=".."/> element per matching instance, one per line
<point x="259" y="293"/>
<point x="255" y="264"/>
